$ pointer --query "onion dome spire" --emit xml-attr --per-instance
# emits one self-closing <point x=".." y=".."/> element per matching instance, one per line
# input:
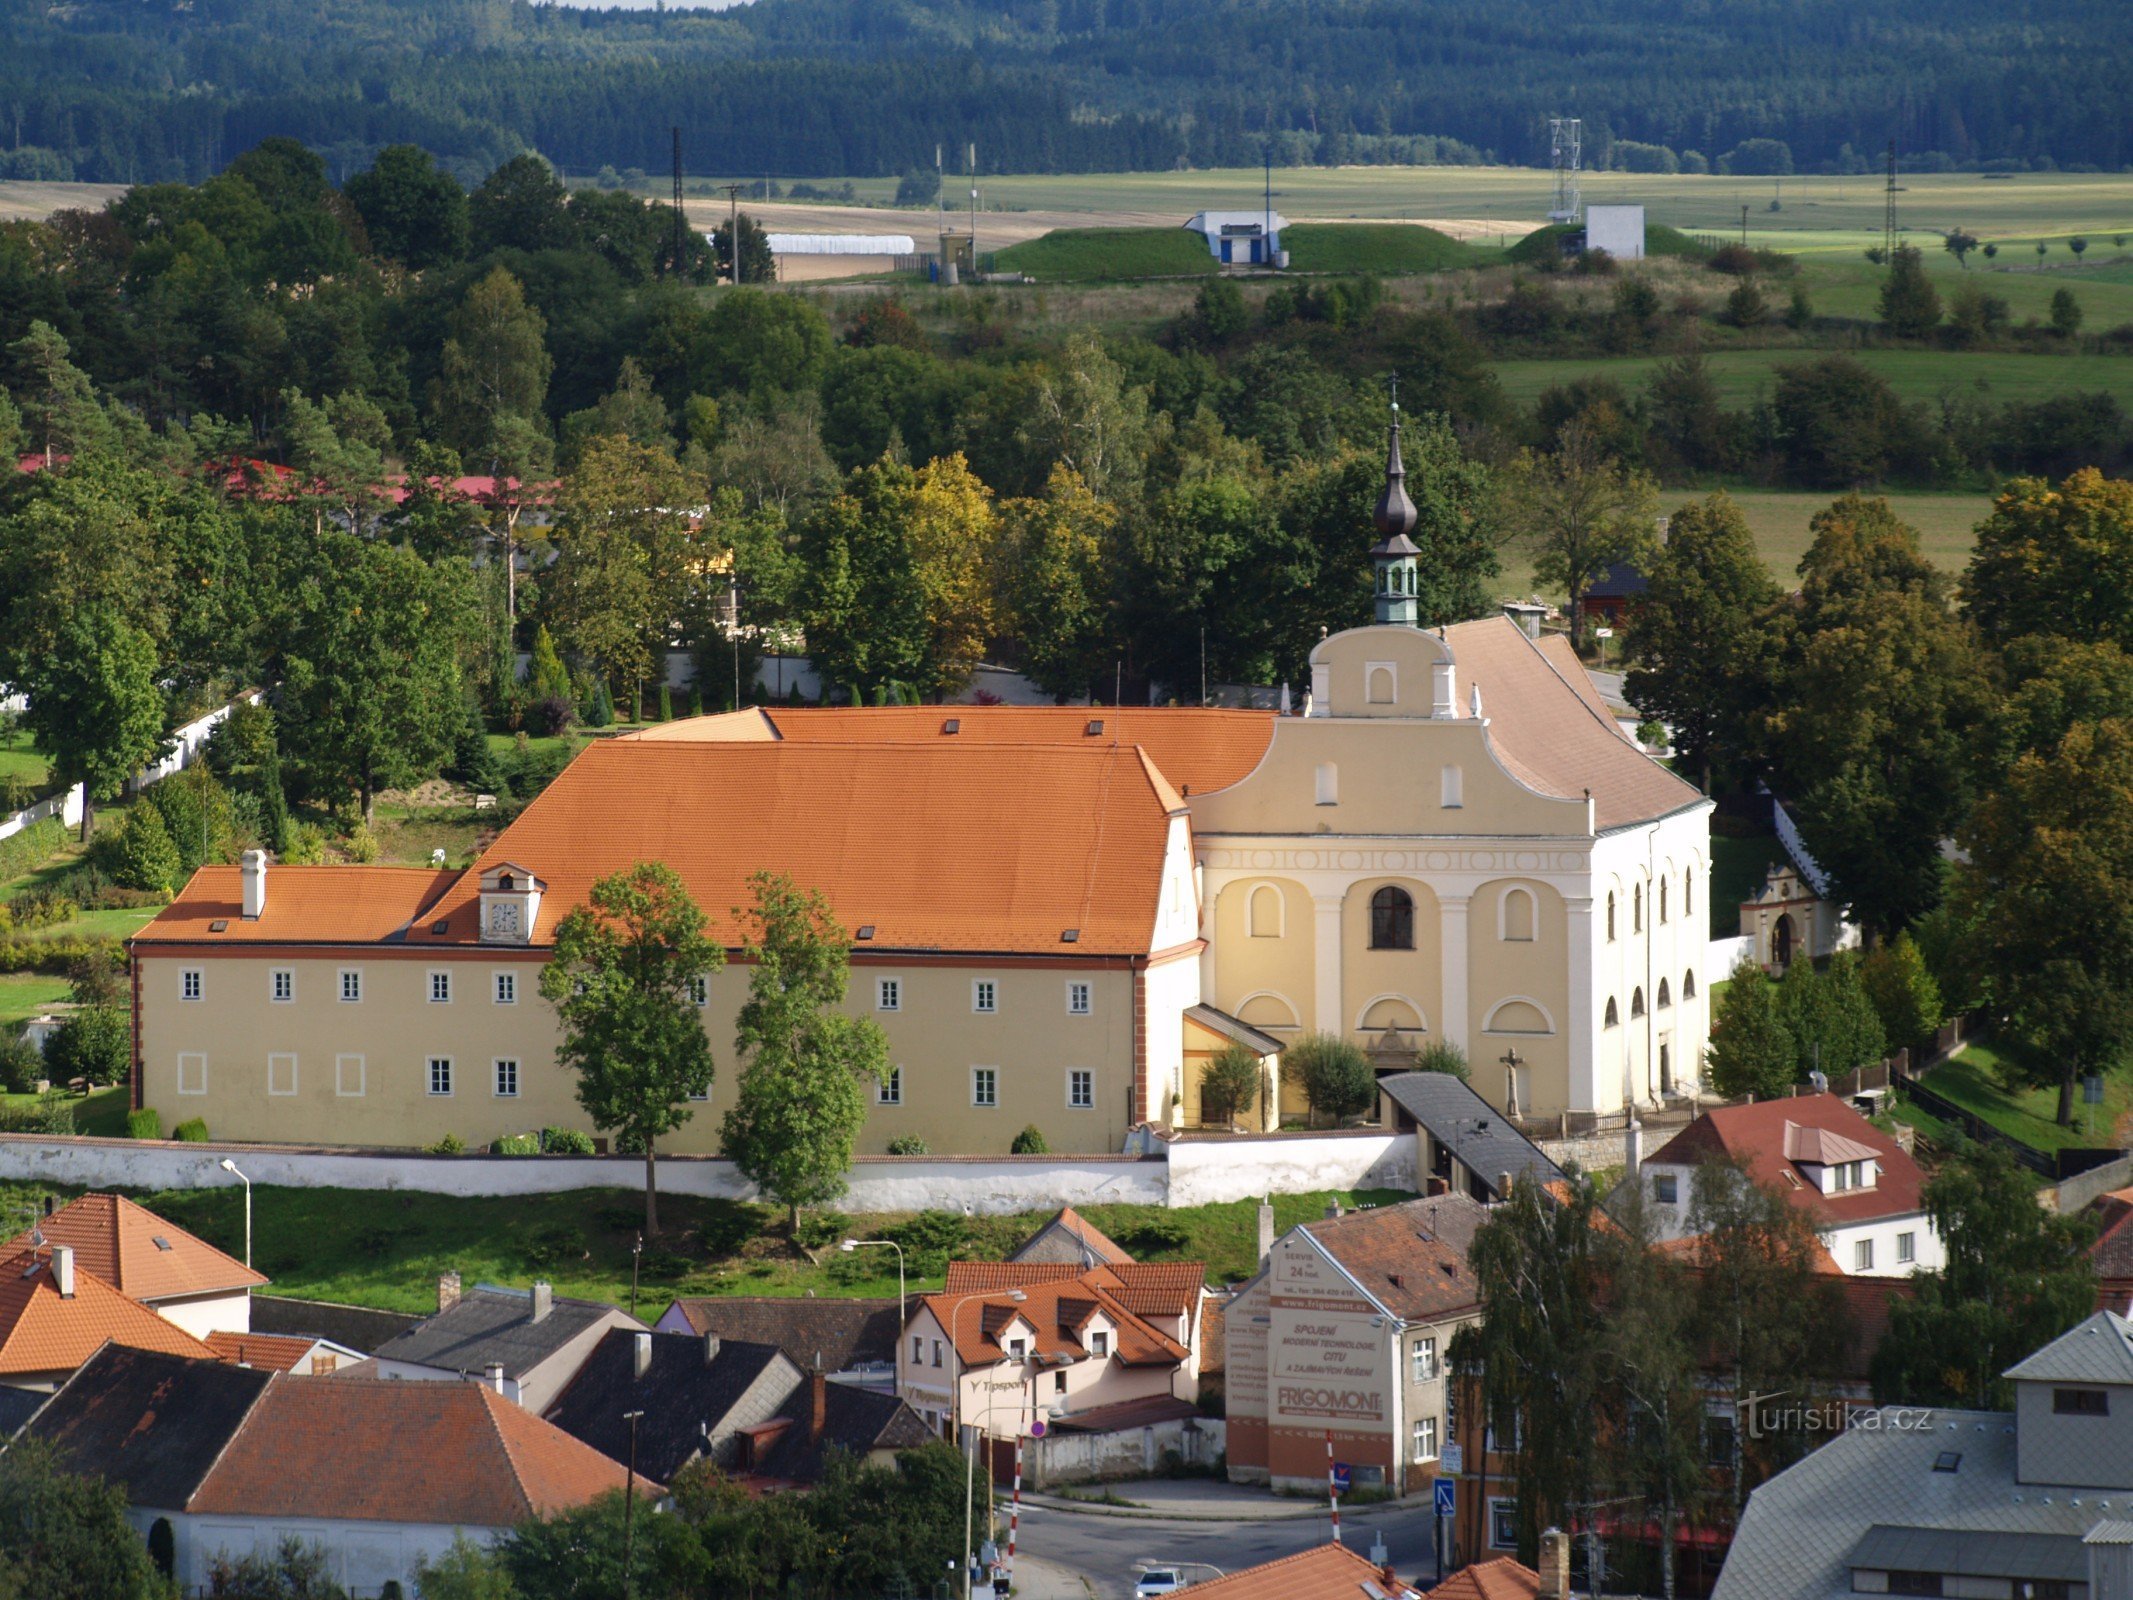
<point x="1398" y="596"/>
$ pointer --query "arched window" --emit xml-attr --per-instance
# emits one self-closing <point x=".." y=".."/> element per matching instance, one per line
<point x="1688" y="893"/>
<point x="1636" y="1002"/>
<point x="1614" y="1017"/>
<point x="1636" y="908"/>
<point x="1662" y="902"/>
<point x="1666" y="998"/>
<point x="1392" y="919"/>
<point x="1688" y="984"/>
<point x="1379" y="689"/>
<point x="1610" y="916"/>
<point x="1265" y="912"/>
<point x="1517" y="920"/>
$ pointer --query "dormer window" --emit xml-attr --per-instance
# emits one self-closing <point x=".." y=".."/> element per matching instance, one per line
<point x="510" y="904"/>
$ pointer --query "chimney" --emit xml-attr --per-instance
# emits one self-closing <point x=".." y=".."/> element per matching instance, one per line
<point x="1438" y="1185"/>
<point x="1266" y="1227"/>
<point x="1333" y="1210"/>
<point x="543" y="1302"/>
<point x="253" y="871"/>
<point x="493" y="1375"/>
<point x="710" y="1348"/>
<point x="1633" y="1148"/>
<point x="447" y="1290"/>
<point x="641" y="1355"/>
<point x="63" y="1269"/>
<point x="817" y="1403"/>
<point x="1503" y="1185"/>
<point x="1554" y="1565"/>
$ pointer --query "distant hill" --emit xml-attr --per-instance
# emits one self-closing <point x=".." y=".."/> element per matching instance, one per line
<point x="134" y="90"/>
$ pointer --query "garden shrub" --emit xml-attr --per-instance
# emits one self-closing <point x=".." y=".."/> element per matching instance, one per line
<point x="566" y="1142"/>
<point x="908" y="1144"/>
<point x="191" y="1131"/>
<point x="1030" y="1142"/>
<point x="145" y="1123"/>
<point x="1441" y="1055"/>
<point x="32" y="847"/>
<point x="21" y="1064"/>
<point x="517" y="1144"/>
<point x="450" y="1145"/>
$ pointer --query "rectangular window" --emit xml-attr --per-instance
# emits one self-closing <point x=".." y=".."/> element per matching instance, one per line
<point x="1018" y="1348"/>
<point x="283" y="985"/>
<point x="1099" y="1343"/>
<point x="699" y="991"/>
<point x="1666" y="1188"/>
<point x="2081" y="1402"/>
<point x="1863" y="1256"/>
<point x="936" y="1352"/>
<point x="1906" y="1248"/>
<point x="507" y="988"/>
<point x="192" y="1073"/>
<point x="888" y="994"/>
<point x="440" y="988"/>
<point x="351" y="984"/>
<point x="1503" y="1524"/>
<point x="984" y="995"/>
<point x="1425" y="1359"/>
<point x="889" y="1091"/>
<point x="1059" y="1382"/>
<point x="506" y="1078"/>
<point x="1718" y="1436"/>
<point x="1081" y="1089"/>
<point x="1426" y="1439"/>
<point x="190" y="984"/>
<point x="985" y="1086"/>
<point x="1077" y="997"/>
<point x="281" y="1074"/>
<point x="348" y="1077"/>
<point x="918" y="1350"/>
<point x="440" y="1074"/>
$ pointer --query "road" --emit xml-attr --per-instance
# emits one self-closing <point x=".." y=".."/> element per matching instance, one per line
<point x="1104" y="1549"/>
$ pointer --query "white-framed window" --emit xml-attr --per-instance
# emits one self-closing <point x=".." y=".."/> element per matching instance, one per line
<point x="351" y="984"/>
<point x="348" y="1077"/>
<point x="1863" y="1256"/>
<point x="700" y="1095"/>
<point x="1099" y="1343"/>
<point x="1424" y="1356"/>
<point x="1081" y="1089"/>
<point x="1666" y="1188"/>
<point x="192" y="983"/>
<point x="984" y="995"/>
<point x="192" y="1072"/>
<point x="1503" y="1524"/>
<point x="985" y="1086"/>
<point x="888" y="994"/>
<point x="440" y="1076"/>
<point x="1078" y="994"/>
<point x="1906" y="1248"/>
<point x="1426" y="1439"/>
<point x="1018" y="1348"/>
<point x="506" y="1078"/>
<point x="506" y="990"/>
<point x="281" y="985"/>
<point x="889" y="1091"/>
<point x="699" y="991"/>
<point x="281" y="1074"/>
<point x="440" y="988"/>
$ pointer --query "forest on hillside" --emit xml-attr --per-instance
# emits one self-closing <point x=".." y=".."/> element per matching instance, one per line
<point x="170" y="90"/>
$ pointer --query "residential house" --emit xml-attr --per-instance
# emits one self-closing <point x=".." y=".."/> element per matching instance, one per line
<point x="297" y="1354"/>
<point x="156" y="1263"/>
<point x="1060" y="917"/>
<point x="1498" y="1578"/>
<point x="1616" y="595"/>
<point x="820" y="1417"/>
<point x="1323" y="1572"/>
<point x="217" y="1461"/>
<point x="2111" y="1253"/>
<point x="1342" y="1340"/>
<point x="1859" y="1188"/>
<point x="54" y="1316"/>
<point x="1070" y="1239"/>
<point x="692" y="1397"/>
<point x="526" y="1344"/>
<point x="1908" y="1500"/>
<point x="852" y="1340"/>
<point x="1463" y="1144"/>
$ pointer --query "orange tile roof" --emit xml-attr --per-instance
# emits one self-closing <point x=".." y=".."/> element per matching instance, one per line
<point x="269" y="1352"/>
<point x="1504" y="1578"/>
<point x="377" y="1450"/>
<point x="42" y="1331"/>
<point x="1197" y="748"/>
<point x="305" y="905"/>
<point x="137" y="1252"/>
<point x="939" y="847"/>
<point x="1553" y="732"/>
<point x="1759" y="1135"/>
<point x="1325" y="1572"/>
<point x="1150" y="1289"/>
<point x="1059" y="1312"/>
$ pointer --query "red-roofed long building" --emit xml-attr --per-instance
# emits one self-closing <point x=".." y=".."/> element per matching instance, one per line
<point x="1060" y="915"/>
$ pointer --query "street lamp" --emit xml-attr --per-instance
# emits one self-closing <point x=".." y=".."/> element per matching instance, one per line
<point x="850" y="1245"/>
<point x="970" y="1458"/>
<point x="629" y="1506"/>
<point x="230" y="1167"/>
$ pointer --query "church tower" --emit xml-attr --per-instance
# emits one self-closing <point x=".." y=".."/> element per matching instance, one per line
<point x="1398" y="595"/>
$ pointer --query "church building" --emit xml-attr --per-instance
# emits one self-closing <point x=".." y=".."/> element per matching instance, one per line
<point x="1058" y="915"/>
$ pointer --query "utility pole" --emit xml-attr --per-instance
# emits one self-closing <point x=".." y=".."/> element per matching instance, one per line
<point x="1744" y="227"/>
<point x="733" y="225"/>
<point x="681" y="255"/>
<point x="973" y="208"/>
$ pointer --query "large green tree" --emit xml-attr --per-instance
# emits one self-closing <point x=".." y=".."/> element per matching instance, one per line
<point x="802" y="1099"/>
<point x="1064" y="557"/>
<point x="1580" y="512"/>
<point x="623" y="980"/>
<point x="2055" y="559"/>
<point x="1752" y="1050"/>
<point x="413" y="210"/>
<point x="64" y="1535"/>
<point x="94" y="705"/>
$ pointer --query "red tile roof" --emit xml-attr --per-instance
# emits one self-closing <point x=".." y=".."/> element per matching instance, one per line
<point x="270" y="1352"/>
<point x="1326" y="1572"/>
<point x="1408" y="1257"/>
<point x="1759" y="1135"/>
<point x="376" y="1450"/>
<point x="1148" y="1289"/>
<point x="1504" y="1578"/>
<point x="1059" y="1312"/>
<point x="43" y="1331"/>
<point x="137" y="1252"/>
<point x="305" y="905"/>
<point x="939" y="847"/>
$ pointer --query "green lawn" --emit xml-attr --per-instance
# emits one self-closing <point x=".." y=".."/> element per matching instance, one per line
<point x="1978" y="1080"/>
<point x="1084" y="254"/>
<point x="1386" y="249"/>
<point x="24" y="994"/>
<point x="386" y="1249"/>
<point x="20" y="759"/>
<point x="1738" y="868"/>
<point x="1743" y="376"/>
<point x="406" y="835"/>
<point x="102" y="1114"/>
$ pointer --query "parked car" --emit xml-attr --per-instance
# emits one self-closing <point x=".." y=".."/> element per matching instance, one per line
<point x="1156" y="1581"/>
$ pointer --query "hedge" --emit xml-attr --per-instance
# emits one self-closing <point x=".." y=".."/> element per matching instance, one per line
<point x="55" y="956"/>
<point x="32" y="847"/>
<point x="144" y="1124"/>
<point x="191" y="1131"/>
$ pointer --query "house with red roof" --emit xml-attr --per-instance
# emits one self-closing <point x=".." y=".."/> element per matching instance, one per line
<point x="1323" y="1572"/>
<point x="55" y="1314"/>
<point x="151" y="1261"/>
<point x="1861" y="1190"/>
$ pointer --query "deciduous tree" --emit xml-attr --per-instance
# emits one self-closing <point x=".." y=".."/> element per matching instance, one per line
<point x="1910" y="306"/>
<point x="1752" y="1051"/>
<point x="2055" y="558"/>
<point x="1065" y="557"/>
<point x="1580" y="512"/>
<point x="94" y="705"/>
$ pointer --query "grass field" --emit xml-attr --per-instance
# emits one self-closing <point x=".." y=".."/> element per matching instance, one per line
<point x="102" y="1115"/>
<point x="386" y="1249"/>
<point x="19" y="760"/>
<point x="24" y="994"/>
<point x="1094" y="254"/>
<point x="1386" y="249"/>
<point x="1979" y="1080"/>
<point x="1742" y="376"/>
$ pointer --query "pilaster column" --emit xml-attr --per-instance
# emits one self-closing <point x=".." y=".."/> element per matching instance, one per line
<point x="1326" y="964"/>
<point x="1583" y="1087"/>
<point x="1452" y="933"/>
